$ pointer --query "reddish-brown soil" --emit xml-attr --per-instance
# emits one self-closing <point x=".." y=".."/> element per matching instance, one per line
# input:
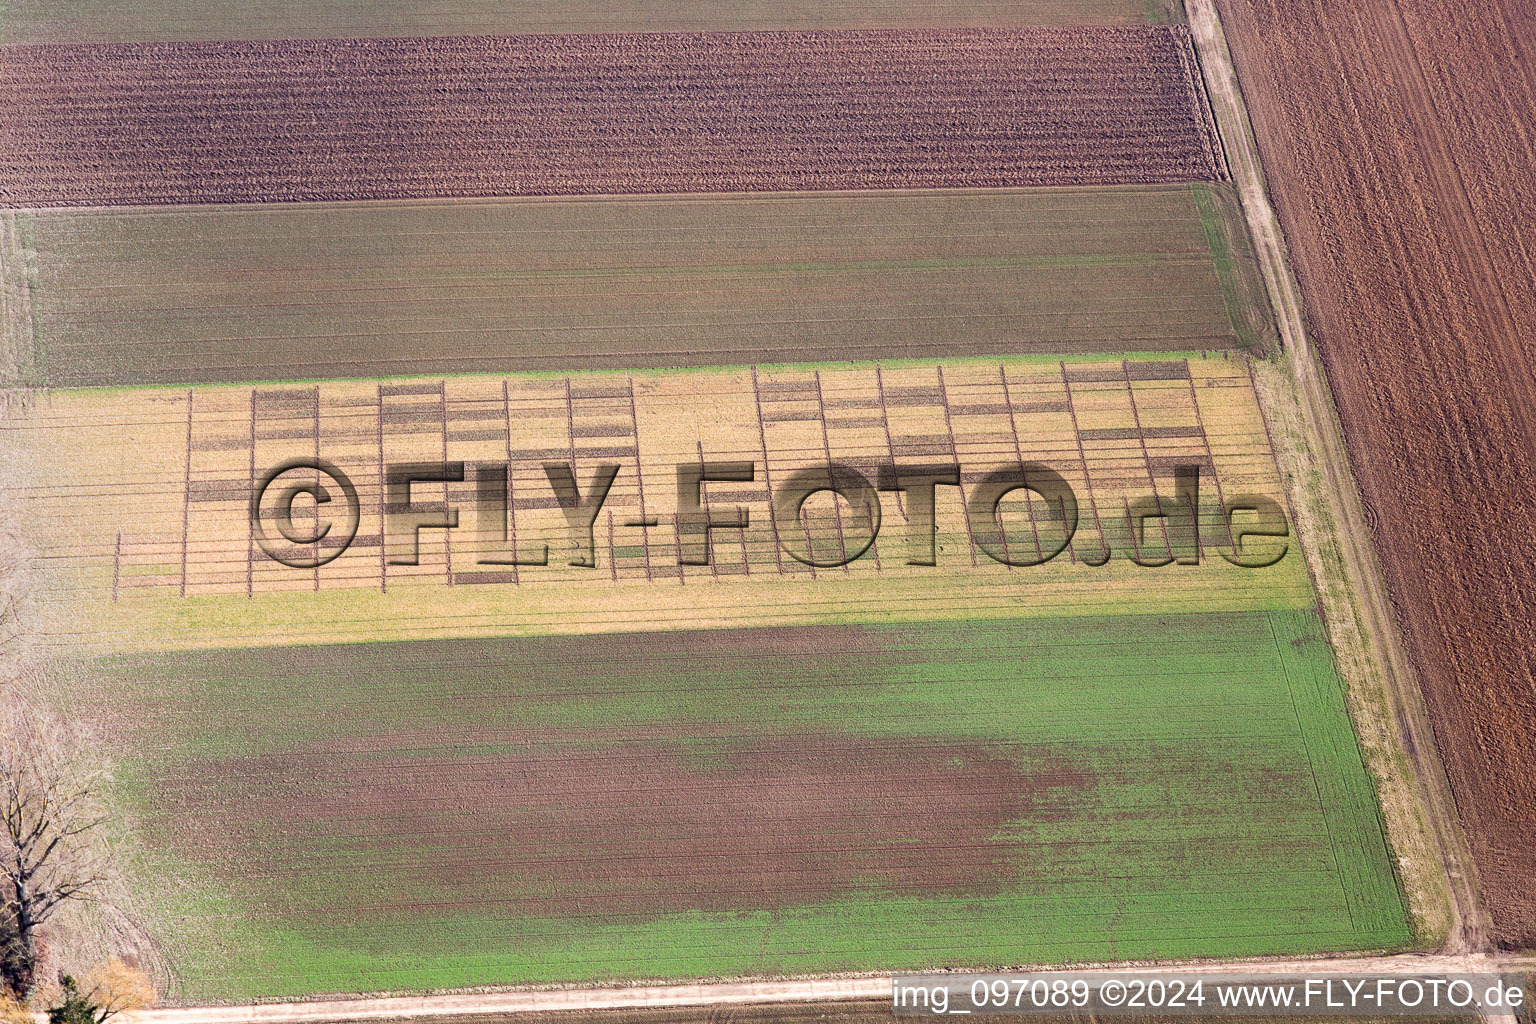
<point x="578" y="825"/>
<point x="532" y="115"/>
<point x="1398" y="137"/>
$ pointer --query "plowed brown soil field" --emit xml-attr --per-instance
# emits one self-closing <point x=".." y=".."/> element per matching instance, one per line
<point x="640" y="113"/>
<point x="1398" y="136"/>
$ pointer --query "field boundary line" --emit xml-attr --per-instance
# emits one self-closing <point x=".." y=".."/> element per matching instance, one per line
<point x="777" y="991"/>
<point x="186" y="496"/>
<point x="954" y="451"/>
<point x="1388" y="673"/>
<point x="826" y="446"/>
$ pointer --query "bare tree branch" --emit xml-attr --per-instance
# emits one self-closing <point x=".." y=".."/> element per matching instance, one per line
<point x="50" y="803"/>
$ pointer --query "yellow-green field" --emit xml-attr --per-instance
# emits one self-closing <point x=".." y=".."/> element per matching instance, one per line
<point x="140" y="498"/>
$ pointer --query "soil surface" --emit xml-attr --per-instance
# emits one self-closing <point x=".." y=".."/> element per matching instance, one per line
<point x="1397" y="136"/>
<point x="216" y="122"/>
<point x="585" y="827"/>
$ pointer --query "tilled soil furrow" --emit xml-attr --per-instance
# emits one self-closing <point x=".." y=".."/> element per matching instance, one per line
<point x="116" y="124"/>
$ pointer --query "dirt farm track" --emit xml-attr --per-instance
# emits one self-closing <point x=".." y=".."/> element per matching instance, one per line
<point x="1396" y="137"/>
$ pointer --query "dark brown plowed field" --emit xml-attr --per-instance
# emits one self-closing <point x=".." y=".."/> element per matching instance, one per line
<point x="644" y="113"/>
<point x="1398" y="136"/>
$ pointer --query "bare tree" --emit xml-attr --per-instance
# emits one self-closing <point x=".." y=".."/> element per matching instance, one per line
<point x="50" y="810"/>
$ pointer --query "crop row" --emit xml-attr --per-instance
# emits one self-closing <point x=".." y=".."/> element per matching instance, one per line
<point x="533" y="115"/>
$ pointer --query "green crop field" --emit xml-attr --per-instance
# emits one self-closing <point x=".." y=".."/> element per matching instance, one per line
<point x="72" y="21"/>
<point x="325" y="290"/>
<point x="746" y="802"/>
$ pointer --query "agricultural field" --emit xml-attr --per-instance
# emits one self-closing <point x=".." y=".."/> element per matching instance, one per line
<point x="789" y="769"/>
<point x="302" y="292"/>
<point x="627" y="246"/>
<point x="93" y="21"/>
<point x="1423" y="312"/>
<point x="583" y="114"/>
<point x="165" y="553"/>
<point x="748" y="802"/>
